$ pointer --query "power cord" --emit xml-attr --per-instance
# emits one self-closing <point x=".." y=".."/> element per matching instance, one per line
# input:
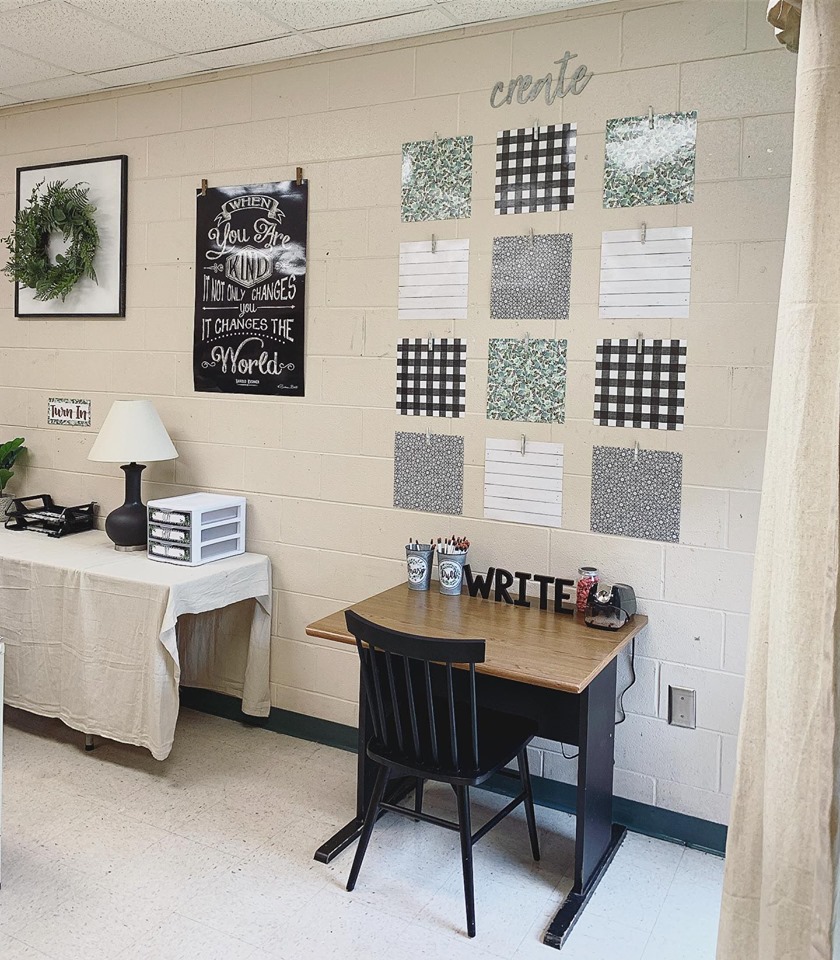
<point x="632" y="681"/>
<point x="623" y="712"/>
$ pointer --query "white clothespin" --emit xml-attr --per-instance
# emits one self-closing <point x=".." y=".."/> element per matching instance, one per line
<point x="636" y="452"/>
<point x="644" y="233"/>
<point x="536" y="130"/>
<point x="437" y="138"/>
<point x="526" y="338"/>
<point x="640" y="344"/>
<point x="429" y="340"/>
<point x="429" y="435"/>
<point x="532" y="236"/>
<point x="650" y="117"/>
<point x="434" y="244"/>
<point x="522" y="446"/>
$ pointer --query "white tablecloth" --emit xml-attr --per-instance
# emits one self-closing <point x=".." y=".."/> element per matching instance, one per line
<point x="91" y="634"/>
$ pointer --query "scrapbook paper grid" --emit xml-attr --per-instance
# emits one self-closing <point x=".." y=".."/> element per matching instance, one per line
<point x="535" y="169"/>
<point x="523" y="482"/>
<point x="434" y="280"/>
<point x="437" y="179"/>
<point x="429" y="472"/>
<point x="531" y="277"/>
<point x="636" y="493"/>
<point x="526" y="380"/>
<point x="640" y="383"/>
<point x="431" y="377"/>
<point x="650" y="160"/>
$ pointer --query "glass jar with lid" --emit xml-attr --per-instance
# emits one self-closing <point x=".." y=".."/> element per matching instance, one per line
<point x="587" y="577"/>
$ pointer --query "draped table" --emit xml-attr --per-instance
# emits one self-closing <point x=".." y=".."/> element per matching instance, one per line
<point x="93" y="636"/>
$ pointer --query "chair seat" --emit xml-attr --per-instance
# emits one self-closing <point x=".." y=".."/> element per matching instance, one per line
<point x="501" y="736"/>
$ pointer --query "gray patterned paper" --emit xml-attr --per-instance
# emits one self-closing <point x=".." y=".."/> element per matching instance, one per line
<point x="531" y="277"/>
<point x="429" y="472"/>
<point x="647" y="165"/>
<point x="526" y="380"/>
<point x="437" y="179"/>
<point x="636" y="493"/>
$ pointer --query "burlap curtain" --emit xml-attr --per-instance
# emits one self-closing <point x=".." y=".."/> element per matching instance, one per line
<point x="779" y="889"/>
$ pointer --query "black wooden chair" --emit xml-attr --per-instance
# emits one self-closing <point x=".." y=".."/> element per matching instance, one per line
<point x="427" y="725"/>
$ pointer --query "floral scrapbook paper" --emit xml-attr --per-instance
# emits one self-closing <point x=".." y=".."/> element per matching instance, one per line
<point x="429" y="472"/>
<point x="531" y="277"/>
<point x="648" y="164"/>
<point x="526" y="380"/>
<point x="437" y="179"/>
<point x="636" y="493"/>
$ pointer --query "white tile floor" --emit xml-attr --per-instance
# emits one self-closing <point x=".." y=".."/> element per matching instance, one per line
<point x="112" y="855"/>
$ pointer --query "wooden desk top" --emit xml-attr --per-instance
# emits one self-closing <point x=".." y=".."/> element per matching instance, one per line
<point x="539" y="647"/>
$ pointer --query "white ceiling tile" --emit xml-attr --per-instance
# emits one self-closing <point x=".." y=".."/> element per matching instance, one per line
<point x="316" y="14"/>
<point x="377" y="31"/>
<point x="475" y="11"/>
<point x="73" y="39"/>
<point x="18" y="68"/>
<point x="150" y="72"/>
<point x="70" y="86"/>
<point x="291" y="46"/>
<point x="187" y="26"/>
<point x="86" y="45"/>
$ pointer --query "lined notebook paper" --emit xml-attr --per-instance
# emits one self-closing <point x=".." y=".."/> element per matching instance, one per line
<point x="433" y="286"/>
<point x="524" y="488"/>
<point x="647" y="279"/>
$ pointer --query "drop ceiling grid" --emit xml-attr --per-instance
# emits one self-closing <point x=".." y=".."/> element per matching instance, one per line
<point x="124" y="42"/>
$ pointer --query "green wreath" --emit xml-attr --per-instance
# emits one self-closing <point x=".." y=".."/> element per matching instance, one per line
<point x="59" y="209"/>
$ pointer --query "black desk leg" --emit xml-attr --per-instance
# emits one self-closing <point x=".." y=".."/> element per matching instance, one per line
<point x="597" y="838"/>
<point x="365" y="779"/>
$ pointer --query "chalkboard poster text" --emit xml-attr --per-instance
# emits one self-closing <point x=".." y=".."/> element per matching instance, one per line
<point x="250" y="289"/>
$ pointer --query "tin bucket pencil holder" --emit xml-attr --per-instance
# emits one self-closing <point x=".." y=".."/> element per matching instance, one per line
<point x="451" y="573"/>
<point x="419" y="558"/>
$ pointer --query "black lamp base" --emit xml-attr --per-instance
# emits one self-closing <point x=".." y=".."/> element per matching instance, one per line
<point x="127" y="525"/>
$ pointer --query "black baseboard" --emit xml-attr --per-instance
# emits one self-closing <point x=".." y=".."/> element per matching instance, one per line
<point x="639" y="817"/>
<point x="278" y="721"/>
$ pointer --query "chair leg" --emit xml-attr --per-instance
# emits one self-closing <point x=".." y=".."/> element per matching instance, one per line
<point x="465" y="829"/>
<point x="370" y="820"/>
<point x="418" y="795"/>
<point x="525" y="777"/>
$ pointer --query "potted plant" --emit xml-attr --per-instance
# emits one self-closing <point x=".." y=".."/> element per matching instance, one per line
<point x="9" y="452"/>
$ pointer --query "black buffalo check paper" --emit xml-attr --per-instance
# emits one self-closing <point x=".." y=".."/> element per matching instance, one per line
<point x="431" y="377"/>
<point x="535" y="169"/>
<point x="640" y="383"/>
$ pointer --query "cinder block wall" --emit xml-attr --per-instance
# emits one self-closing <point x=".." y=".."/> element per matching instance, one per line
<point x="318" y="471"/>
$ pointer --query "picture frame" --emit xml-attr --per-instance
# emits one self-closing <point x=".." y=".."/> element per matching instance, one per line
<point x="107" y="178"/>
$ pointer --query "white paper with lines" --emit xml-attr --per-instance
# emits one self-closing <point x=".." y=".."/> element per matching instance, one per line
<point x="433" y="286"/>
<point x="645" y="280"/>
<point x="523" y="488"/>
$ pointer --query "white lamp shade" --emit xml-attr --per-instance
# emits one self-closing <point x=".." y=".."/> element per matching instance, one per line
<point x="132" y="433"/>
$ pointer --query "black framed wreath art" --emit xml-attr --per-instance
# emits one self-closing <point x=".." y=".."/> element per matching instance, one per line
<point x="67" y="247"/>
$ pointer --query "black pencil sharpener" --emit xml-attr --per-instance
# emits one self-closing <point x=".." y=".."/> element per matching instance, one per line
<point x="610" y="606"/>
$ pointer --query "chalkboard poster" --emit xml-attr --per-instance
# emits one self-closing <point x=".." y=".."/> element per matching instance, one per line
<point x="250" y="289"/>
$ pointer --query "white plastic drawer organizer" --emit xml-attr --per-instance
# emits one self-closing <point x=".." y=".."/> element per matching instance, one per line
<point x="196" y="529"/>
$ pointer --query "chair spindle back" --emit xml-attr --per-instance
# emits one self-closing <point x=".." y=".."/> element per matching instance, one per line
<point x="398" y="676"/>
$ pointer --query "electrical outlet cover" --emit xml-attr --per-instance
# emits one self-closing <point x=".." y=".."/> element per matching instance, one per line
<point x="682" y="707"/>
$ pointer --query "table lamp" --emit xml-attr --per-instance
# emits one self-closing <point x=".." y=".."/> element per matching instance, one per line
<point x="132" y="431"/>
